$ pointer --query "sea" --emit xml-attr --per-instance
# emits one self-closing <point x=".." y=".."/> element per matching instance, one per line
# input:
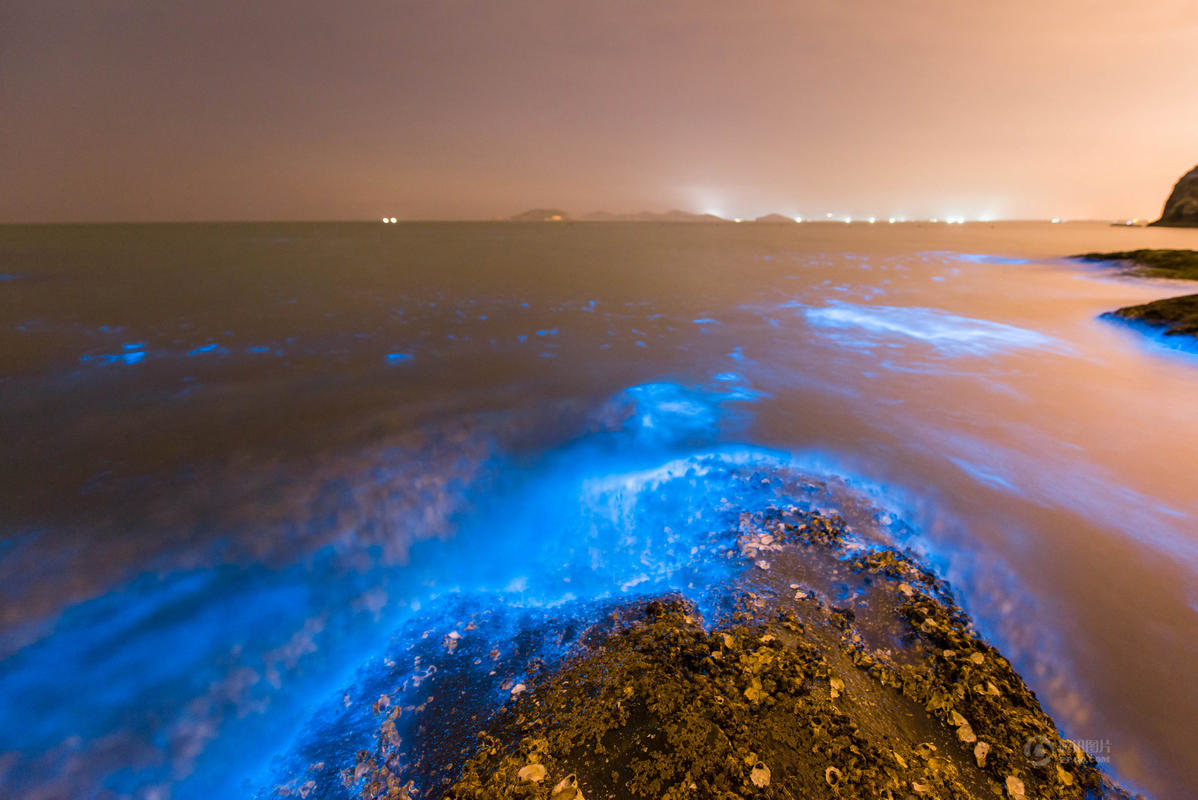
<point x="248" y="467"/>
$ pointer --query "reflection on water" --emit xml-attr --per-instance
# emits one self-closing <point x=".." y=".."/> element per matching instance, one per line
<point x="254" y="468"/>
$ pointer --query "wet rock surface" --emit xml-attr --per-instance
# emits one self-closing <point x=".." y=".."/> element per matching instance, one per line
<point x="1173" y="316"/>
<point x="1179" y="264"/>
<point x="838" y="668"/>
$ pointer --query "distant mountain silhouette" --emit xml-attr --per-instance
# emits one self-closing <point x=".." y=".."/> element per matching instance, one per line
<point x="775" y="218"/>
<point x="541" y="215"/>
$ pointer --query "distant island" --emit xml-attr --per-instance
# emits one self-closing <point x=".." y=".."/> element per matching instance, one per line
<point x="1181" y="209"/>
<point x="674" y="215"/>
<point x="541" y="215"/>
<point x="1173" y="316"/>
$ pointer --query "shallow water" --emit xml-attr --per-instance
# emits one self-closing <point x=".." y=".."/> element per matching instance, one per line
<point x="246" y="462"/>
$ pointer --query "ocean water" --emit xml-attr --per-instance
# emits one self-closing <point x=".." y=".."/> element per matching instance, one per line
<point x="250" y="468"/>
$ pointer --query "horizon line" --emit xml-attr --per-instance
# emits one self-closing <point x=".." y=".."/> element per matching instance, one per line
<point x="715" y="219"/>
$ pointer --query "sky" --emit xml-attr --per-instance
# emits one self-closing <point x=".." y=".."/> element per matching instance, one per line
<point x="125" y="110"/>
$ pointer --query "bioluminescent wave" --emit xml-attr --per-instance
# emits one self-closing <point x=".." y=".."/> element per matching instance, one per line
<point x="984" y="258"/>
<point x="1153" y="338"/>
<point x="948" y="334"/>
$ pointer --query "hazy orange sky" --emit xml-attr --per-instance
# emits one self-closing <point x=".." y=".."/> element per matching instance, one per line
<point x="151" y="110"/>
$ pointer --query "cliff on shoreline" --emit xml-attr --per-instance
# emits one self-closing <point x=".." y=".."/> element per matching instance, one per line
<point x="1181" y="209"/>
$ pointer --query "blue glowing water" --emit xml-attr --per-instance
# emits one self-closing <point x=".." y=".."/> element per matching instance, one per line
<point x="254" y="472"/>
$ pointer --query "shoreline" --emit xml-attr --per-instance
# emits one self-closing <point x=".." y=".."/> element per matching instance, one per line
<point x="1168" y="317"/>
<point x="836" y="667"/>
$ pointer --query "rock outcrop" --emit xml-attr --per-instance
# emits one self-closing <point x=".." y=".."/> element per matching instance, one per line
<point x="1173" y="316"/>
<point x="1181" y="209"/>
<point x="863" y="681"/>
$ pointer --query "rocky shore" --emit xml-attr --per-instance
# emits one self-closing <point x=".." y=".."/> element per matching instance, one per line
<point x="1173" y="316"/>
<point x="837" y="669"/>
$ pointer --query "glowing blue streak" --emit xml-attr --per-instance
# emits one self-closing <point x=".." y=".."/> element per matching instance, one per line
<point x="950" y="334"/>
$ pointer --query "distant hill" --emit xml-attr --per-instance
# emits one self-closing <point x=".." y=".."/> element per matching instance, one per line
<point x="541" y="215"/>
<point x="775" y="218"/>
<point x="652" y="216"/>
